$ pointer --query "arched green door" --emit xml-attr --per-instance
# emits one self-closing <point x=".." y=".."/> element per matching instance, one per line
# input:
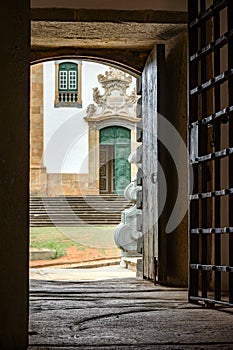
<point x="115" y="170"/>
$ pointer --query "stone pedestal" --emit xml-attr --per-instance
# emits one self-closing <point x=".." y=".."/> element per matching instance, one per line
<point x="38" y="181"/>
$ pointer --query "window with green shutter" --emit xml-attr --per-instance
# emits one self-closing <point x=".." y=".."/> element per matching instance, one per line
<point x="68" y="77"/>
<point x="68" y="89"/>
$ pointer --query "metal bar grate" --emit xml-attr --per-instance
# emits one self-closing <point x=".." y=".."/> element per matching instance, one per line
<point x="211" y="151"/>
<point x="220" y="115"/>
<point x="206" y="14"/>
<point x="213" y="46"/>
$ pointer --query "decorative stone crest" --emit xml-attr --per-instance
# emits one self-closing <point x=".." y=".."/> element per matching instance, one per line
<point x="115" y="102"/>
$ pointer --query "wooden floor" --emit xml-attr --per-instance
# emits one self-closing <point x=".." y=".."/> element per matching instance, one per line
<point x="123" y="314"/>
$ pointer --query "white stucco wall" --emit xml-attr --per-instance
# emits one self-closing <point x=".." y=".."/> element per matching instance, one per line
<point x="65" y="131"/>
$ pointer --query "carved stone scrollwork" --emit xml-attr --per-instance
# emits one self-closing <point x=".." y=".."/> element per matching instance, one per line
<point x="97" y="98"/>
<point x="114" y="102"/>
<point x="91" y="110"/>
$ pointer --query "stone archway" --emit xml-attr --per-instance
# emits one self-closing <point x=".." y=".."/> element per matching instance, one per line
<point x="14" y="227"/>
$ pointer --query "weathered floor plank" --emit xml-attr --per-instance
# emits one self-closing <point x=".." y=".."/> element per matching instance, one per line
<point x="122" y="314"/>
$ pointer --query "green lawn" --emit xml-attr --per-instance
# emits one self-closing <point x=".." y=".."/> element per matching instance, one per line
<point x="60" y="238"/>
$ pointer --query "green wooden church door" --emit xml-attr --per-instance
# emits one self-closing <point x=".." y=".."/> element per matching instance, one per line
<point x="118" y="139"/>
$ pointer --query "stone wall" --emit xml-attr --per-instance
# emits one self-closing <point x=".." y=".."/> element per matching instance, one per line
<point x="70" y="185"/>
<point x="14" y="136"/>
<point x="38" y="178"/>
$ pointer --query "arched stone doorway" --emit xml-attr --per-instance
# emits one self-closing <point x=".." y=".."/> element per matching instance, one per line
<point x="15" y="170"/>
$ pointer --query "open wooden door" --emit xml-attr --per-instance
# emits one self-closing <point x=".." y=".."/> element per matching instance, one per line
<point x="153" y="243"/>
<point x="150" y="167"/>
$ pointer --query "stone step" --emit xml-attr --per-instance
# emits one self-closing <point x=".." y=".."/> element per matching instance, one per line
<point x="68" y="211"/>
<point x="79" y="198"/>
<point x="73" y="223"/>
<point x="79" y="208"/>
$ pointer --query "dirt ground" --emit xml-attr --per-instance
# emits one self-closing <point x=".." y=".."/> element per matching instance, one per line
<point x="73" y="255"/>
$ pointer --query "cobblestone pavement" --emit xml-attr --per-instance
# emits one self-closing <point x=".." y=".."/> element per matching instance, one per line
<point x="122" y="313"/>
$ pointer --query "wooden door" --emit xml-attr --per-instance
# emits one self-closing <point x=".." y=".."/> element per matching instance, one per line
<point x="115" y="170"/>
<point x="150" y="167"/>
<point x="122" y="168"/>
<point x="106" y="170"/>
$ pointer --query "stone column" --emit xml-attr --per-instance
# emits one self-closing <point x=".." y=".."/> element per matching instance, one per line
<point x="38" y="176"/>
<point x="93" y="184"/>
<point x="14" y="178"/>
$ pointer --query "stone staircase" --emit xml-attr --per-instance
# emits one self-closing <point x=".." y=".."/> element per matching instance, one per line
<point x="76" y="211"/>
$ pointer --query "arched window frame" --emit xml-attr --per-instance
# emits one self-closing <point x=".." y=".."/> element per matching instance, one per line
<point x="68" y="84"/>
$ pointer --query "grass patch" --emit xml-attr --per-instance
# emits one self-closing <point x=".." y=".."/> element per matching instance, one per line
<point x="52" y="238"/>
<point x="102" y="250"/>
<point x="61" y="238"/>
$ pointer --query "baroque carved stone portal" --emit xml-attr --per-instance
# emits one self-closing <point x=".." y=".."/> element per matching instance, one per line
<point x="114" y="102"/>
<point x="113" y="107"/>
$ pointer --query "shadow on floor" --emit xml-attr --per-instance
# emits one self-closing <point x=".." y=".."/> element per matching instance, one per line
<point x="123" y="313"/>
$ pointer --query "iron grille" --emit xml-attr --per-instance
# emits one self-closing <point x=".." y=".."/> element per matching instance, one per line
<point x="211" y="151"/>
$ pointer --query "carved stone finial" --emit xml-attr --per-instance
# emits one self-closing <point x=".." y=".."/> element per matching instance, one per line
<point x="91" y="110"/>
<point x="114" y="74"/>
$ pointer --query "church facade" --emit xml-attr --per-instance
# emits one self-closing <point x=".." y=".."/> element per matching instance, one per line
<point x="83" y="123"/>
